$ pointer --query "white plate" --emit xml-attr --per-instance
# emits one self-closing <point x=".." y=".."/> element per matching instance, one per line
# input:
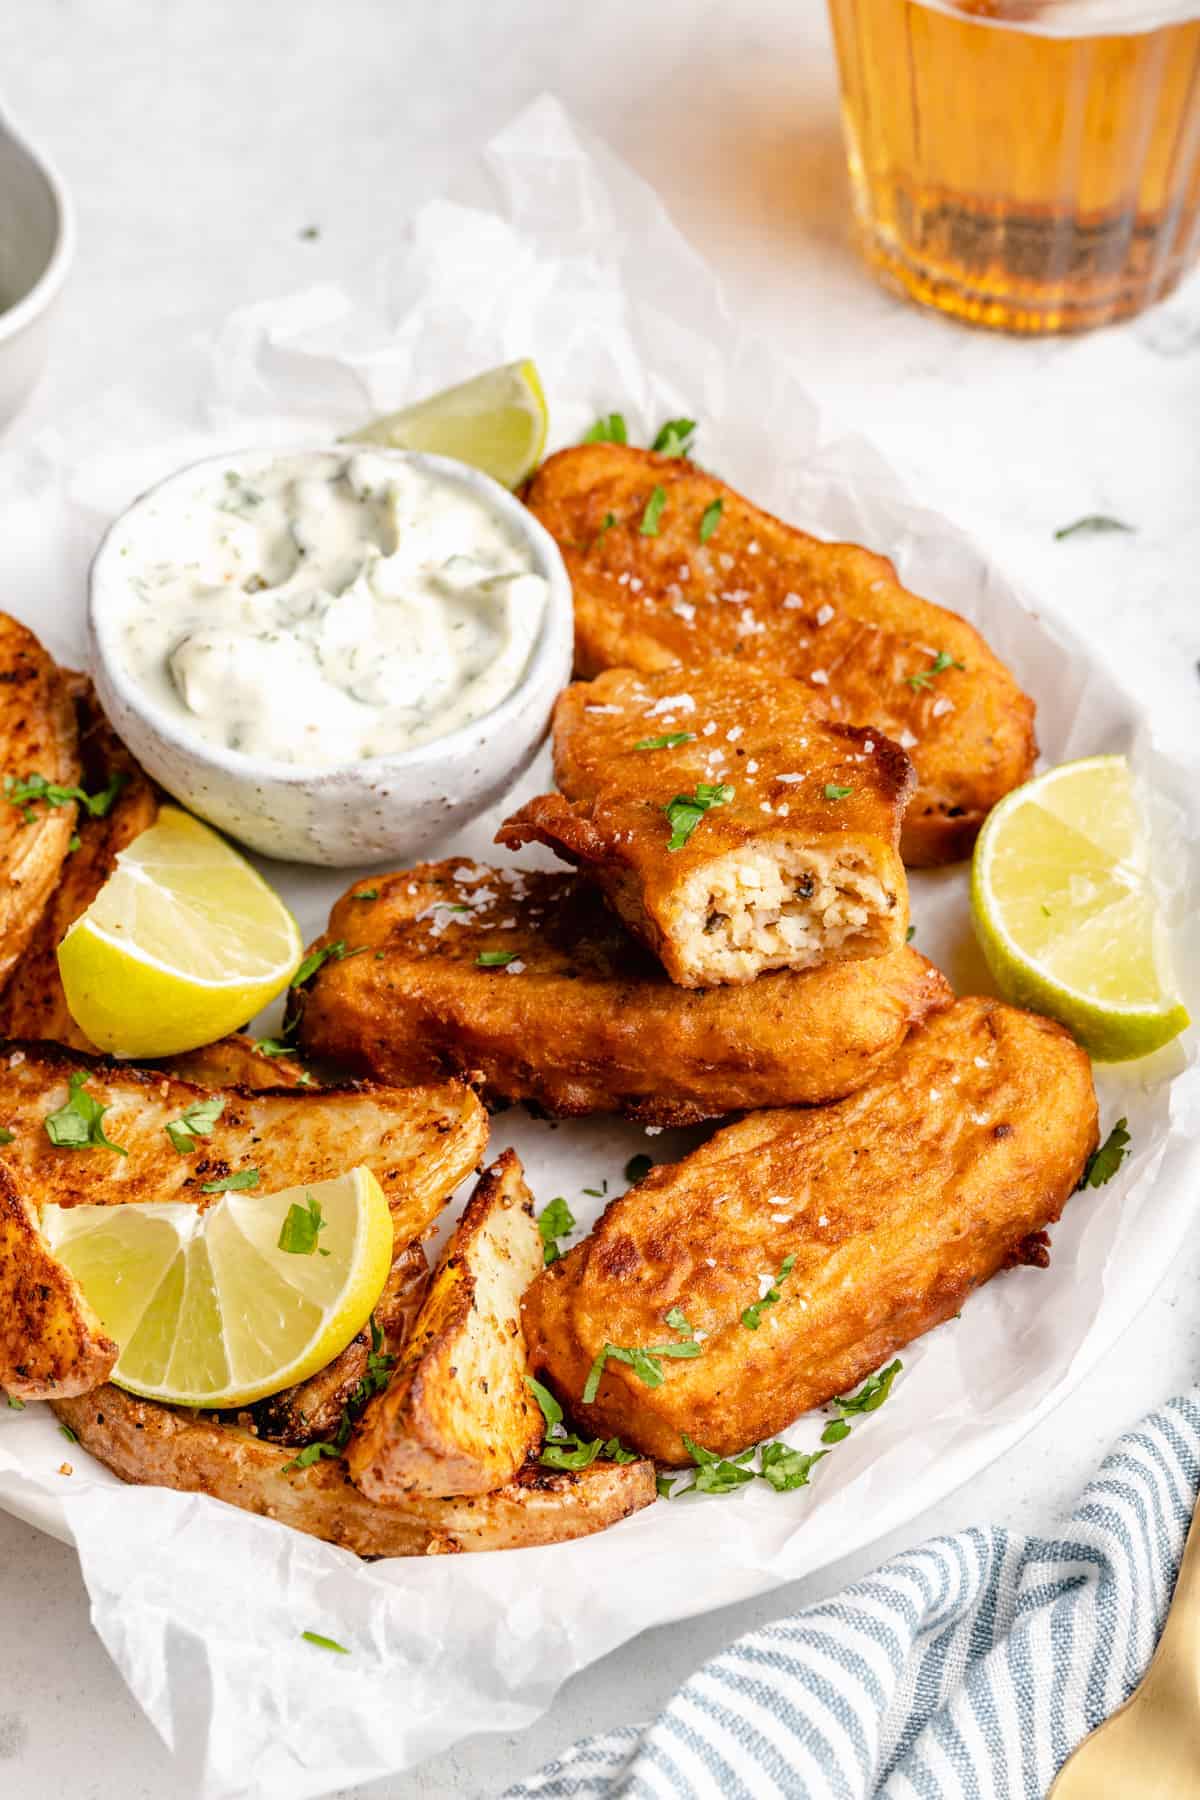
<point x="201" y="1606"/>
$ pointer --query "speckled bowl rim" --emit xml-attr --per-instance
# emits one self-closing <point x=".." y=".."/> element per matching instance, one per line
<point x="558" y="619"/>
<point x="37" y="299"/>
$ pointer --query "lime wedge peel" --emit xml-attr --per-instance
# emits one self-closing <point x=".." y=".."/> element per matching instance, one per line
<point x="1065" y="910"/>
<point x="496" y="422"/>
<point x="208" y="1310"/>
<point x="183" y="944"/>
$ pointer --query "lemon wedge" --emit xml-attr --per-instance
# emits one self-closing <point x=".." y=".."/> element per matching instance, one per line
<point x="1065" y="910"/>
<point x="184" y="943"/>
<point x="497" y="422"/>
<point x="222" y="1306"/>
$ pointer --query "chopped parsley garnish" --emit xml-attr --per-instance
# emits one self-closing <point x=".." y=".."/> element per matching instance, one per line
<point x="1104" y="1162"/>
<point x="675" y="438"/>
<point x="941" y="662"/>
<point x="196" y="1121"/>
<point x="366" y="894"/>
<point x="644" y="1360"/>
<point x="638" y="1167"/>
<point x="276" y="1046"/>
<point x="224" y="1184"/>
<point x="1092" y="522"/>
<point x="710" y="519"/>
<point x="677" y="1322"/>
<point x="835" y="1431"/>
<point x="667" y="742"/>
<point x="301" y="1227"/>
<point x="719" y="1474"/>
<point x="607" y="524"/>
<point x="324" y="1643"/>
<point x="565" y="1449"/>
<point x="77" y="1124"/>
<point x="379" y="1370"/>
<point x="555" y="1221"/>
<point x="686" y="811"/>
<point x="494" y="959"/>
<point x="873" y="1392"/>
<point x="27" y="793"/>
<point x="910" y="934"/>
<point x="597" y="1193"/>
<point x="752" y="1316"/>
<point x="73" y="843"/>
<point x="17" y="1405"/>
<point x="67" y="1433"/>
<point x="834" y="792"/>
<point x="610" y="429"/>
<point x="653" y="512"/>
<point x="786" y="1469"/>
<point x="316" y="959"/>
<point x="6" y="1136"/>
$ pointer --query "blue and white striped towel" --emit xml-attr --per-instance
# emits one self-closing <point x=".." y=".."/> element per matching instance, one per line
<point x="965" y="1670"/>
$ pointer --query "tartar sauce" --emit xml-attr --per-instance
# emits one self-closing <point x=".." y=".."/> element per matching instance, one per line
<point x="317" y="608"/>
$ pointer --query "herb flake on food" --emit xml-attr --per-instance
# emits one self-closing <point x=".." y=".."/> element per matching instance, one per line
<point x="873" y="1392"/>
<point x="366" y="894"/>
<point x="910" y="934"/>
<point x="685" y="811"/>
<point x="1104" y="1161"/>
<point x="6" y="1136"/>
<point x="324" y="1643"/>
<point x="718" y="1474"/>
<point x="316" y="959"/>
<point x="752" y="1316"/>
<point x="667" y="742"/>
<point x="301" y="1227"/>
<point x="924" y="677"/>
<point x="26" y="794"/>
<point x="834" y="792"/>
<point x="494" y="959"/>
<point x="675" y="438"/>
<point x="565" y="1449"/>
<point x="710" y="519"/>
<point x="644" y="1360"/>
<point x="225" y="1184"/>
<point x="786" y="1469"/>
<point x="1092" y="523"/>
<point x="16" y="1404"/>
<point x="653" y="512"/>
<point x="274" y="1046"/>
<point x="77" y="1123"/>
<point x="835" y="1431"/>
<point x="196" y="1121"/>
<point x="554" y="1221"/>
<point x="609" y="429"/>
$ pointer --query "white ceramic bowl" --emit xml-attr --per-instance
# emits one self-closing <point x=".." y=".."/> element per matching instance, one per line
<point x="375" y="809"/>
<point x="37" y="239"/>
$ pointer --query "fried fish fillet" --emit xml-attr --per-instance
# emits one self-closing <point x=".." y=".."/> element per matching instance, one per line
<point x="38" y="737"/>
<point x="871" y="1221"/>
<point x="418" y="1142"/>
<point x="834" y="615"/>
<point x="580" y="1018"/>
<point x="51" y="1342"/>
<point x="150" y="1444"/>
<point x="457" y="1417"/>
<point x="794" y="860"/>
<point x="33" y="1004"/>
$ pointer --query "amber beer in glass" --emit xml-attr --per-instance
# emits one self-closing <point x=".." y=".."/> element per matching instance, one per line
<point x="1016" y="167"/>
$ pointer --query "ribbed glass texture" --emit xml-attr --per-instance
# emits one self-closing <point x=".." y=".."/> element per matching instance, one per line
<point x="1027" y="182"/>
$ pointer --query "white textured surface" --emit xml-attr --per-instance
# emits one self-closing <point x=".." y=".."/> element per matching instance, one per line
<point x="201" y="140"/>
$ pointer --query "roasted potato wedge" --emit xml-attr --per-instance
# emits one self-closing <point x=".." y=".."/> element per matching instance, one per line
<point x="51" y="1342"/>
<point x="457" y="1417"/>
<point x="236" y="1061"/>
<point x="145" y="1443"/>
<point x="38" y="737"/>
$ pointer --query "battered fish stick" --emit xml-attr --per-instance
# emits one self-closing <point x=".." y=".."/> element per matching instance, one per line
<point x="729" y="824"/>
<point x="529" y="983"/>
<point x="803" y="1248"/>
<point x="672" y="568"/>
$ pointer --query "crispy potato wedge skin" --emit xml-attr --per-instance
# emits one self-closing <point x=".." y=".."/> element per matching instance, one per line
<point x="149" y="1444"/>
<point x="748" y="729"/>
<point x="313" y="1410"/>
<point x="51" y="1342"/>
<point x="457" y="1417"/>
<point x="235" y="1061"/>
<point x="895" y="1204"/>
<point x="760" y="590"/>
<point x="590" y="1023"/>
<point x="418" y="1142"/>
<point x="33" y="1004"/>
<point x="38" y="736"/>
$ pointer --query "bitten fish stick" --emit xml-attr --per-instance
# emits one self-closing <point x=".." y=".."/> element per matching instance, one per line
<point x="732" y="827"/>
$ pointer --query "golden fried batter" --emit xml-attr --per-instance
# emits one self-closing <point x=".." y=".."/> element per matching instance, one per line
<point x="32" y="1004"/>
<point x="579" y="1018"/>
<point x="834" y="615"/>
<point x="793" y="861"/>
<point x="38" y="737"/>
<point x="894" y="1204"/>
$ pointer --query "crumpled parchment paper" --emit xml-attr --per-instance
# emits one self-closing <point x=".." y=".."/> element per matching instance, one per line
<point x="554" y="249"/>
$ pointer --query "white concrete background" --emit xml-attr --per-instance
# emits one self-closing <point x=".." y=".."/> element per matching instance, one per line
<point x="201" y="137"/>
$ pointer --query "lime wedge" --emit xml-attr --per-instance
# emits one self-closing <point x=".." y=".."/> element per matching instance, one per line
<point x="183" y="944"/>
<point x="1065" y="910"/>
<point x="206" y="1306"/>
<point x="497" y="422"/>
